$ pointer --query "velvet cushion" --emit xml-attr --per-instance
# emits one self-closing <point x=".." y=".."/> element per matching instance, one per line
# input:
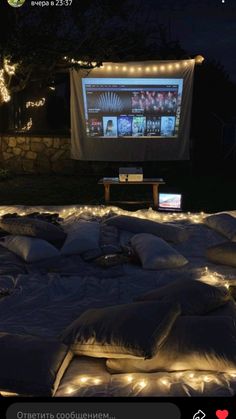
<point x="84" y="238"/>
<point x="194" y="343"/>
<point x="168" y="232"/>
<point x="33" y="227"/>
<point x="128" y="330"/>
<point x="29" y="248"/>
<point x="30" y="365"/>
<point x="224" y="224"/>
<point x="194" y="297"/>
<point x="155" y="253"/>
<point x="223" y="254"/>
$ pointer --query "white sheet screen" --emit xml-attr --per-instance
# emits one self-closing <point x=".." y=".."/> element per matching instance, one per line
<point x="148" y="108"/>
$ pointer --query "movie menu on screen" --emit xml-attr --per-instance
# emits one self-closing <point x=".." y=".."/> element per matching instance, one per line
<point x="128" y="110"/>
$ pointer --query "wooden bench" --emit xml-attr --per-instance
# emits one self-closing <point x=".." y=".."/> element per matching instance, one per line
<point x="155" y="182"/>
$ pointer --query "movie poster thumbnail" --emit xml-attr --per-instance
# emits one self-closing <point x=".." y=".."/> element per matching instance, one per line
<point x="95" y="127"/>
<point x="125" y="126"/>
<point x="108" y="102"/>
<point x="168" y="126"/>
<point x="159" y="102"/>
<point x="153" y="126"/>
<point x="139" y="126"/>
<point x="109" y="126"/>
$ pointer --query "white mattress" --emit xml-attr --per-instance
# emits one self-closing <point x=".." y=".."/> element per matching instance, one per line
<point x="43" y="303"/>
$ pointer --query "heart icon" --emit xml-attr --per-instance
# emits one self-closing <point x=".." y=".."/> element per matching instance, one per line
<point x="222" y="414"/>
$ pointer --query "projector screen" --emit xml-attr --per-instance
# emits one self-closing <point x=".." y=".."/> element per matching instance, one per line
<point x="124" y="107"/>
<point x="132" y="112"/>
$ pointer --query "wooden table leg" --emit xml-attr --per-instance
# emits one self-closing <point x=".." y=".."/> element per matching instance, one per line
<point x="107" y="192"/>
<point x="155" y="195"/>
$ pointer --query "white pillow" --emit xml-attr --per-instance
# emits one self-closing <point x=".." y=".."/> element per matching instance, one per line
<point x="195" y="343"/>
<point x="224" y="224"/>
<point x="85" y="237"/>
<point x="155" y="253"/>
<point x="28" y="248"/>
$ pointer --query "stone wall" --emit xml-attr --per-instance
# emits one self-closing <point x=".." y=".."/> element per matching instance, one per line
<point x="22" y="154"/>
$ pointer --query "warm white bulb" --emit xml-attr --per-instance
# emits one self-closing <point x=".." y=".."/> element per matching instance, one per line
<point x="83" y="380"/>
<point x="97" y="381"/>
<point x="142" y="384"/>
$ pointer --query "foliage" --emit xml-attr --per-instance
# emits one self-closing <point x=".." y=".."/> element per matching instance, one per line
<point x="38" y="39"/>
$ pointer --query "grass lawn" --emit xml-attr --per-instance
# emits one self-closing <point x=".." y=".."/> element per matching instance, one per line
<point x="208" y="193"/>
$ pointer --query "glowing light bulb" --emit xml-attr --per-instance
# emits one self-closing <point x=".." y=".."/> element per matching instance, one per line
<point x="207" y="378"/>
<point x="109" y="67"/>
<point x="97" y="381"/>
<point x="129" y="379"/>
<point x="140" y="69"/>
<point x="124" y="68"/>
<point x="84" y="380"/>
<point x="132" y="70"/>
<point x="142" y="384"/>
<point x="69" y="390"/>
<point x="164" y="381"/>
<point x="147" y="69"/>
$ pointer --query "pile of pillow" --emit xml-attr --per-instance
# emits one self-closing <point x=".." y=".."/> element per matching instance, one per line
<point x="35" y="239"/>
<point x="169" y="329"/>
<point x="223" y="253"/>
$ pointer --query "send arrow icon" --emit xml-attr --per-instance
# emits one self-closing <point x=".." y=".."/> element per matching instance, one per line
<point x="199" y="415"/>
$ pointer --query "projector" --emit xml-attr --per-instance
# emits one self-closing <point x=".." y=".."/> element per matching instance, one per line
<point x="130" y="174"/>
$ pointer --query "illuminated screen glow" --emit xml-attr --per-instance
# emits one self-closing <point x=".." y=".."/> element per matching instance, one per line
<point x="170" y="201"/>
<point x="132" y="107"/>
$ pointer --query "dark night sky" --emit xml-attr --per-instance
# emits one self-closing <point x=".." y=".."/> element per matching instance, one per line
<point x="207" y="27"/>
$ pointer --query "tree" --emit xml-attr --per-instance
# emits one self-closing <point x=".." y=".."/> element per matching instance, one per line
<point x="39" y="42"/>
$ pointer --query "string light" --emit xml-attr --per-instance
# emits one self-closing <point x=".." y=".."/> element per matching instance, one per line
<point x="97" y="381"/>
<point x="36" y="104"/>
<point x="148" y="69"/>
<point x="142" y="384"/>
<point x="28" y="126"/>
<point x="84" y="380"/>
<point x="9" y="68"/>
<point x="4" y="93"/>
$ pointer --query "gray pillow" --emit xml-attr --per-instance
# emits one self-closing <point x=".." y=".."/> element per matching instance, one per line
<point x="155" y="253"/>
<point x="85" y="237"/>
<point x="30" y="365"/>
<point x="194" y="343"/>
<point x="224" y="254"/>
<point x="168" y="232"/>
<point x="33" y="227"/>
<point x="194" y="297"/>
<point x="128" y="330"/>
<point x="29" y="248"/>
<point x="224" y="224"/>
